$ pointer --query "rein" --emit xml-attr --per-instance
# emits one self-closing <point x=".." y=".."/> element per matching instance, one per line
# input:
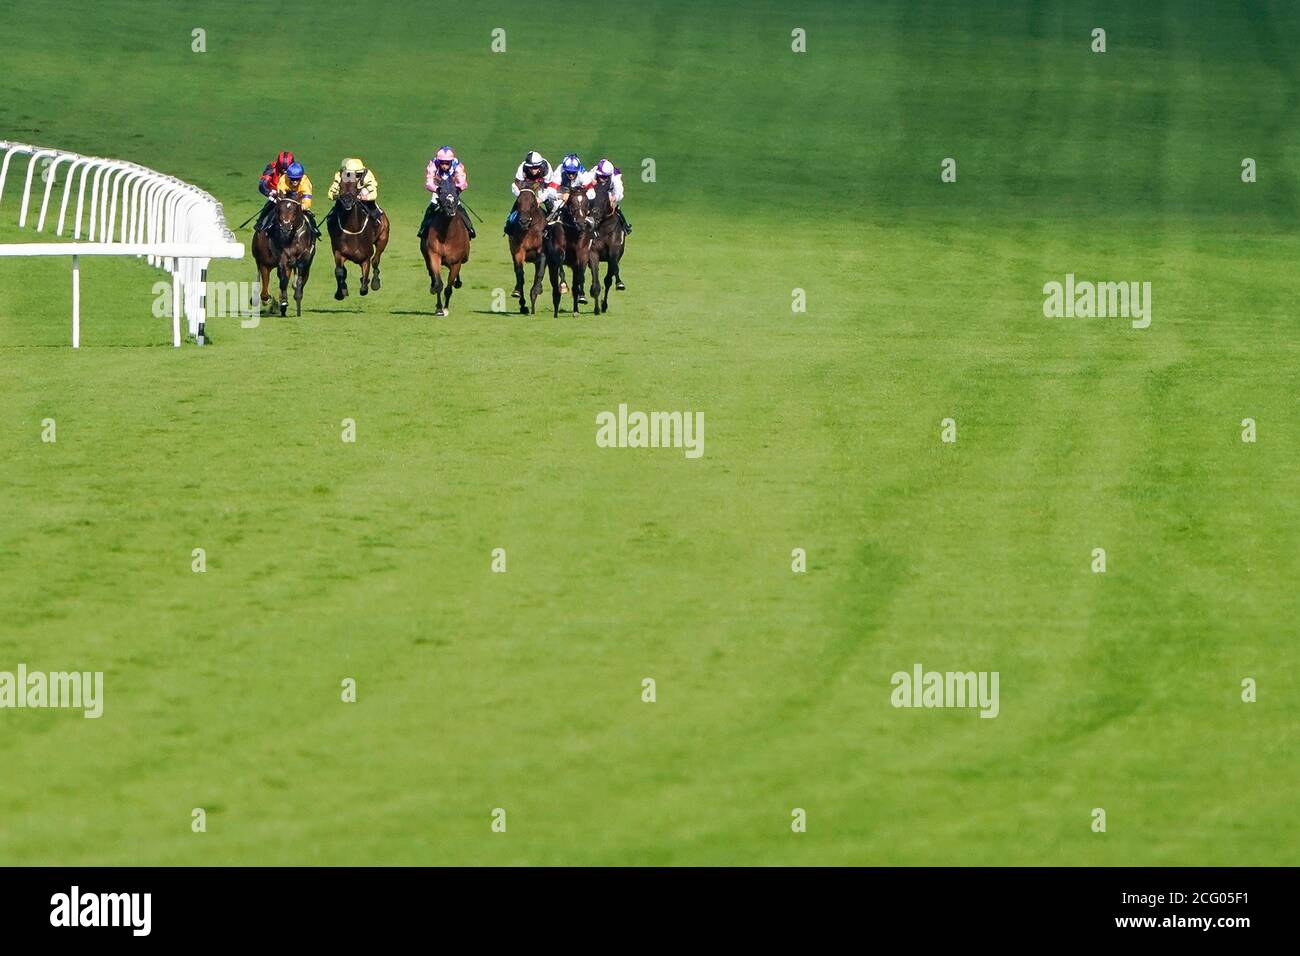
<point x="338" y="220"/>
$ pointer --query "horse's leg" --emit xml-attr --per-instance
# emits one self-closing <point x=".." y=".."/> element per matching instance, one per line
<point x="518" y="256"/>
<point x="453" y="280"/>
<point x="594" y="264"/>
<point x="284" y="287"/>
<point x="374" y="272"/>
<point x="381" y="241"/>
<point x="365" y="276"/>
<point x="434" y="262"/>
<point x="537" y="285"/>
<point x="302" y="269"/>
<point x="264" y="284"/>
<point x="340" y="276"/>
<point x="576" y="286"/>
<point x="611" y="270"/>
<point x="554" y="270"/>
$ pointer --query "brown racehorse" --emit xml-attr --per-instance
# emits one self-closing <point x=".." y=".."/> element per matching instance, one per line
<point x="526" y="246"/>
<point x="445" y="243"/>
<point x="567" y="243"/>
<point x="356" y="236"/>
<point x="286" y="245"/>
<point x="606" y="246"/>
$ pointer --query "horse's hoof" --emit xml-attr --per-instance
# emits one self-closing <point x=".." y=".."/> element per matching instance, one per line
<point x="619" y="286"/>
<point x="564" y="288"/>
<point x="518" y="295"/>
<point x="582" y="300"/>
<point x="365" y="290"/>
<point x="456" y="284"/>
<point x="374" y="286"/>
<point x="340" y="295"/>
<point x="441" y="313"/>
<point x="523" y="308"/>
<point x="284" y="310"/>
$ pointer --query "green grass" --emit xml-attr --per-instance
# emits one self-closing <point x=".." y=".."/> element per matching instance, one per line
<point x="477" y="690"/>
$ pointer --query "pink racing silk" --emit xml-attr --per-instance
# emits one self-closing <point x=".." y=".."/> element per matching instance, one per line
<point x="431" y="176"/>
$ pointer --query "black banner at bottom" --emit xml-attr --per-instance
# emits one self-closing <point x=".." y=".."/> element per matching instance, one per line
<point x="334" y="906"/>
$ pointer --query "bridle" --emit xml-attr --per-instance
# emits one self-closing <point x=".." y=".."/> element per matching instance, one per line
<point x="356" y="202"/>
<point x="609" y="201"/>
<point x="527" y="223"/>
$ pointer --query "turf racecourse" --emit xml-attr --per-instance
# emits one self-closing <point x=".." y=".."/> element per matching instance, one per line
<point x="774" y="171"/>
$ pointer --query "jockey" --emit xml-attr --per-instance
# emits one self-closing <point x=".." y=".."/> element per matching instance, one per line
<point x="367" y="185"/>
<point x="533" y="171"/>
<point x="267" y="181"/>
<point x="571" y="173"/>
<point x="442" y="167"/>
<point x="295" y="184"/>
<point x="606" y="173"/>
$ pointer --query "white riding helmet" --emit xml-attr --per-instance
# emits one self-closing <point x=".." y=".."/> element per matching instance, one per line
<point x="535" y="165"/>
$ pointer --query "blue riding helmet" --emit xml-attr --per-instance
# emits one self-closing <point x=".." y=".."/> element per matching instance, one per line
<point x="294" y="172"/>
<point x="572" y="164"/>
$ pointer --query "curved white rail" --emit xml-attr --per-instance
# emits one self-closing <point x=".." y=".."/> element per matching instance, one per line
<point x="133" y="211"/>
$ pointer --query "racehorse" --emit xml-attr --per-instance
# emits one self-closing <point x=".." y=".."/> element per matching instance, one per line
<point x="567" y="243"/>
<point x="526" y="246"/>
<point x="446" y="242"/>
<point x="287" y="246"/>
<point x="606" y="246"/>
<point x="356" y="236"/>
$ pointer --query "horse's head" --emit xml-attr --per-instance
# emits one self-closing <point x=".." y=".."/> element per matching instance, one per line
<point x="579" y="208"/>
<point x="447" y="197"/>
<point x="601" y="203"/>
<point x="348" y="193"/>
<point x="528" y="206"/>
<point x="288" y="218"/>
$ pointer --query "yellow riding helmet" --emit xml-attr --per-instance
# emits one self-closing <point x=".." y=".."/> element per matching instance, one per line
<point x="353" y="166"/>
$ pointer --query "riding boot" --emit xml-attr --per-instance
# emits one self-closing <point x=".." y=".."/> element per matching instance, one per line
<point x="311" y="221"/>
<point x="464" y="214"/>
<point x="511" y="219"/>
<point x="627" y="228"/>
<point x="429" y="213"/>
<point x="264" y="217"/>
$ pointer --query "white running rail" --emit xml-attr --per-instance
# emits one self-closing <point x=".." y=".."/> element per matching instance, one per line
<point x="133" y="211"/>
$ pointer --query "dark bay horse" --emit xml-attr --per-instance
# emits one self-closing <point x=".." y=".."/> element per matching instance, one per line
<point x="526" y="246"/>
<point x="606" y="245"/>
<point x="567" y="243"/>
<point x="356" y="236"/>
<point x="445" y="243"/>
<point x="287" y="246"/>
